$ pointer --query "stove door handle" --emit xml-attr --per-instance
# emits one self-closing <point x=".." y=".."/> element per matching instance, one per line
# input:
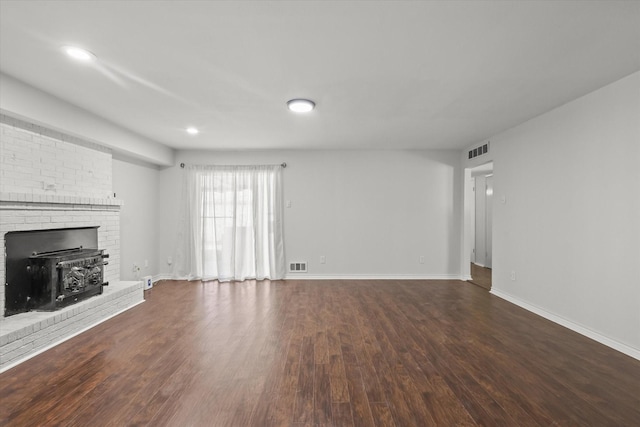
<point x="97" y="264"/>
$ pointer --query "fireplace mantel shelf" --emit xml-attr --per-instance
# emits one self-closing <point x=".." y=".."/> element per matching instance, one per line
<point x="55" y="199"/>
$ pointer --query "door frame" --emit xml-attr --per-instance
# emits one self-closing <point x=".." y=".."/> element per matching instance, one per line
<point x="468" y="232"/>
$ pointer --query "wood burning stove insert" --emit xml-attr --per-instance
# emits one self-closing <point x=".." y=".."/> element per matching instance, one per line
<point x="51" y="269"/>
<point x="63" y="277"/>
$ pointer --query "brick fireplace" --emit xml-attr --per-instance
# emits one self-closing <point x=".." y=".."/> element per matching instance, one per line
<point x="51" y="181"/>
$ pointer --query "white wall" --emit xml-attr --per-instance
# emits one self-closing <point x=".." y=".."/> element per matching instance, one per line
<point x="570" y="227"/>
<point x="27" y="103"/>
<point x="137" y="186"/>
<point x="370" y="213"/>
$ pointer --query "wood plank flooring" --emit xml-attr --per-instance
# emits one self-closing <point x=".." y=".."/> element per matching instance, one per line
<point x="324" y="353"/>
<point x="481" y="276"/>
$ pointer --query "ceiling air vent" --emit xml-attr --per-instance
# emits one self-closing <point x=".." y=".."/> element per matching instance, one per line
<point x="483" y="149"/>
<point x="298" y="267"/>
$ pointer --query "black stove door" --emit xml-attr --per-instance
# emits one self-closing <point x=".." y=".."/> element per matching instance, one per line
<point x="20" y="245"/>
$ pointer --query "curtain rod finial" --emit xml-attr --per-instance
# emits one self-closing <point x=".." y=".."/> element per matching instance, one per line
<point x="284" y="165"/>
<point x="182" y="165"/>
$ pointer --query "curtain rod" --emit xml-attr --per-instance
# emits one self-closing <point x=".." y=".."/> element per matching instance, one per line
<point x="283" y="164"/>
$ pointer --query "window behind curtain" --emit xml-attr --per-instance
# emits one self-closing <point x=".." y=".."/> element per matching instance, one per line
<point x="233" y="223"/>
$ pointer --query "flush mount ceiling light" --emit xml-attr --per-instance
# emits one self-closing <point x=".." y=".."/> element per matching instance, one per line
<point x="192" y="131"/>
<point x="301" y="105"/>
<point x="79" y="54"/>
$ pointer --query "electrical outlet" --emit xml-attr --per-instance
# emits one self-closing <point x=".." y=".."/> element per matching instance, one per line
<point x="421" y="259"/>
<point x="146" y="263"/>
<point x="513" y="275"/>
<point x="323" y="259"/>
<point x="169" y="260"/>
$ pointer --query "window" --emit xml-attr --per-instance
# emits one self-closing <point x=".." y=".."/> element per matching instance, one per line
<point x="233" y="223"/>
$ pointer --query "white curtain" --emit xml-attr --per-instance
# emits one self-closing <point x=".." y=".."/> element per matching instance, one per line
<point x="231" y="223"/>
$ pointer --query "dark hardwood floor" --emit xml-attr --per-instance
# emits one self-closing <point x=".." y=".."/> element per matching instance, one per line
<point x="481" y="276"/>
<point x="324" y="353"/>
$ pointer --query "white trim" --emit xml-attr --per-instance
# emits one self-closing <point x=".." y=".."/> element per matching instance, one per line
<point x="372" y="277"/>
<point x="616" y="345"/>
<point x="164" y="276"/>
<point x="305" y="276"/>
<point x="167" y="276"/>
<point x="65" y="338"/>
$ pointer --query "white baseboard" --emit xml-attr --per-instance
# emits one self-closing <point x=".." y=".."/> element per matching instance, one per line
<point x="616" y="345"/>
<point x="164" y="276"/>
<point x="304" y="276"/>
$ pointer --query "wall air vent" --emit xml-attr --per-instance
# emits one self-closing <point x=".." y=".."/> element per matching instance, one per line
<point x="298" y="267"/>
<point x="479" y="151"/>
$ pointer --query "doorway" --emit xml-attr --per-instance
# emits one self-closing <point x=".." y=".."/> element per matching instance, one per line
<point x="479" y="224"/>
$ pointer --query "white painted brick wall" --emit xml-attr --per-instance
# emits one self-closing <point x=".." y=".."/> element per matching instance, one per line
<point x="36" y="163"/>
<point x="32" y="158"/>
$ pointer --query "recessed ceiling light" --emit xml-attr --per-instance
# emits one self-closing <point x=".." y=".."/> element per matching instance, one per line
<point x="192" y="131"/>
<point x="78" y="53"/>
<point x="301" y="105"/>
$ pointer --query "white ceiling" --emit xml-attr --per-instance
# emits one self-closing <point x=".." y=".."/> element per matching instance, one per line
<point x="393" y="74"/>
